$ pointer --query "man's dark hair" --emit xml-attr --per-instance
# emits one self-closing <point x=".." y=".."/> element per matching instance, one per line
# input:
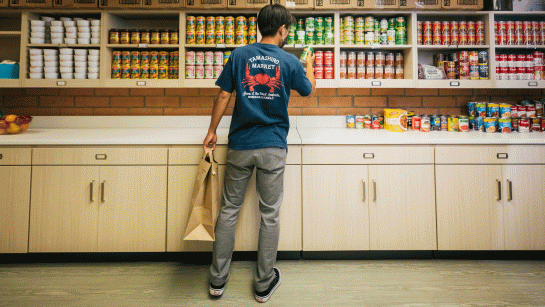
<point x="272" y="17"/>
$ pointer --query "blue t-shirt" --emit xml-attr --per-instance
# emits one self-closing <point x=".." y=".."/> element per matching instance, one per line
<point x="263" y="76"/>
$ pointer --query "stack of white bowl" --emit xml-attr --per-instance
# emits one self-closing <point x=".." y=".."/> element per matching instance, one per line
<point x="95" y="31"/>
<point x="67" y="63"/>
<point x="93" y="61"/>
<point x="51" y="63"/>
<point x="80" y="62"/>
<point x="57" y="32"/>
<point x="36" y="68"/>
<point x="37" y="32"/>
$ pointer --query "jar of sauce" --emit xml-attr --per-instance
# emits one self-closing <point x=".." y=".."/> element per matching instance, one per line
<point x="155" y="37"/>
<point x="145" y="37"/>
<point x="174" y="37"/>
<point x="114" y="36"/>
<point x="124" y="37"/>
<point x="135" y="37"/>
<point x="165" y="37"/>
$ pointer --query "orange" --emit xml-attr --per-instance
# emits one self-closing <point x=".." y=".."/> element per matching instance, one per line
<point x="13" y="128"/>
<point x="24" y="127"/>
<point x="10" y="118"/>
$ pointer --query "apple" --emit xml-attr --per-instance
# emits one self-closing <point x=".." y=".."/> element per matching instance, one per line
<point x="19" y="120"/>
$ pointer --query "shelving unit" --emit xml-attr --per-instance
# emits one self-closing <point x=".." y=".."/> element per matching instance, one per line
<point x="14" y="39"/>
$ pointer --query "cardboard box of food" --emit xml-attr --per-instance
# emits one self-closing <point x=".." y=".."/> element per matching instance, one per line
<point x="205" y="4"/>
<point x="76" y="3"/>
<point x="473" y="5"/>
<point x="335" y="4"/>
<point x="420" y="4"/>
<point x="377" y="4"/>
<point x="120" y="4"/>
<point x="164" y="4"/>
<point x="247" y="4"/>
<point x="31" y="3"/>
<point x="295" y="4"/>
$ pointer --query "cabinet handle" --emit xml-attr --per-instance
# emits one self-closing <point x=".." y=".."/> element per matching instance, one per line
<point x="374" y="190"/>
<point x="499" y="189"/>
<point x="102" y="190"/>
<point x="510" y="183"/>
<point x="92" y="188"/>
<point x="363" y="181"/>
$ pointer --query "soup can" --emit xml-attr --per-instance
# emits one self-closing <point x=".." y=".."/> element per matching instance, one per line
<point x="453" y="124"/>
<point x="524" y="125"/>
<point x="416" y="121"/>
<point x="135" y="71"/>
<point x="208" y="71"/>
<point x="144" y="58"/>
<point x="505" y="110"/>
<point x="319" y="58"/>
<point x="504" y="125"/>
<point x="480" y="108"/>
<point x="199" y="71"/>
<point x="515" y="124"/>
<point x="479" y="124"/>
<point x="116" y="71"/>
<point x="360" y="122"/>
<point x="190" y="57"/>
<point x="328" y="72"/>
<point x="319" y="72"/>
<point x="328" y="58"/>
<point x="490" y="124"/>
<point x="190" y="71"/>
<point x="493" y="110"/>
<point x="471" y="106"/>
<point x="218" y="69"/>
<point x="463" y="124"/>
<point x="154" y="72"/>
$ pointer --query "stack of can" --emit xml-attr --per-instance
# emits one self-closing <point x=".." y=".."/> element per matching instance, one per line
<point x="450" y="33"/>
<point x="323" y="65"/>
<point x="492" y="117"/>
<point x="145" y="64"/>
<point x="464" y="65"/>
<point x="226" y="30"/>
<point x="312" y="31"/>
<point x="205" y="64"/>
<point x="519" y="32"/>
<point x="371" y="65"/>
<point x="365" y="121"/>
<point x="371" y="31"/>
<point x="520" y="66"/>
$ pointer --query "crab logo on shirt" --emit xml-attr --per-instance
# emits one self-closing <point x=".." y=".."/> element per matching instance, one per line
<point x="262" y="79"/>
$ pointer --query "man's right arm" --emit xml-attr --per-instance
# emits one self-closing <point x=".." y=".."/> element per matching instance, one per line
<point x="310" y="73"/>
<point x="220" y="105"/>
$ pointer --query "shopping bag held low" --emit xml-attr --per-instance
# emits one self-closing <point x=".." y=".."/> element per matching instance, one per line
<point x="204" y="201"/>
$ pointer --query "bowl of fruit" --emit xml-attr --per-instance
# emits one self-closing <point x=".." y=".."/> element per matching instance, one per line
<point x="13" y="124"/>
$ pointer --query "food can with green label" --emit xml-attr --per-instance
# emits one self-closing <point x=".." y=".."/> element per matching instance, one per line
<point x="328" y="24"/>
<point x="309" y="38"/>
<point x="400" y="22"/>
<point x="291" y="37"/>
<point x="329" y="38"/>
<point x="359" y="24"/>
<point x="400" y="38"/>
<point x="318" y="38"/>
<point x="300" y="37"/>
<point x="309" y="24"/>
<point x="307" y="51"/>
<point x="319" y="24"/>
<point x="369" y="23"/>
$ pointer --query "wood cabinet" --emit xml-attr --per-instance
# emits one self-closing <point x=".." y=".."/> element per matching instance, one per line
<point x="14" y="204"/>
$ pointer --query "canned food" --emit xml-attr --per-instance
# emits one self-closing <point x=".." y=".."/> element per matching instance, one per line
<point x="480" y="108"/>
<point x="504" y="125"/>
<point x="163" y="58"/>
<point x="116" y="71"/>
<point x="490" y="124"/>
<point x="416" y="122"/>
<point x="463" y="124"/>
<point x="135" y="71"/>
<point x="479" y="124"/>
<point x="208" y="71"/>
<point x="350" y="121"/>
<point x="144" y="57"/>
<point x="144" y="72"/>
<point x="535" y="124"/>
<point x="524" y="125"/>
<point x="328" y="58"/>
<point x="328" y="72"/>
<point x="493" y="110"/>
<point x="199" y="58"/>
<point x="190" y="71"/>
<point x="424" y="124"/>
<point x="125" y="71"/>
<point x="360" y="122"/>
<point x="135" y="58"/>
<point x="367" y="121"/>
<point x="375" y="122"/>
<point x="531" y="111"/>
<point x="453" y="123"/>
<point x="209" y="58"/>
<point x="505" y="110"/>
<point x="116" y="57"/>
<point x="319" y="72"/>
<point x="360" y="72"/>
<point x="351" y="73"/>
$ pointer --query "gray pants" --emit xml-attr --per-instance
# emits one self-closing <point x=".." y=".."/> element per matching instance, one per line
<point x="270" y="163"/>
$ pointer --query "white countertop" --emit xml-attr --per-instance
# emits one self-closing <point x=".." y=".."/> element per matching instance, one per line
<point x="191" y="130"/>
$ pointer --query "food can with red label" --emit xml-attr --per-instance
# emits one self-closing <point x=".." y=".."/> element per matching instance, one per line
<point x="514" y="124"/>
<point x="427" y="39"/>
<point x="328" y="58"/>
<point x="535" y="124"/>
<point x="319" y="58"/>
<point x="462" y="26"/>
<point x="360" y="122"/>
<point x="379" y="72"/>
<point x="479" y="39"/>
<point x="370" y="72"/>
<point x="351" y="60"/>
<point x="514" y="111"/>
<point x="380" y="59"/>
<point x="531" y="111"/>
<point x="416" y="121"/>
<point x="328" y="72"/>
<point x="199" y="58"/>
<point x="375" y="122"/>
<point x="419" y="38"/>
<point x="367" y="121"/>
<point x="462" y="39"/>
<point x="427" y="28"/>
<point x="351" y="73"/>
<point x="511" y="39"/>
<point x="199" y="71"/>
<point x="342" y="72"/>
<point x="389" y="72"/>
<point x="370" y="61"/>
<point x="436" y="39"/>
<point x="473" y="57"/>
<point x="343" y="58"/>
<point x="471" y="38"/>
<point x="218" y="69"/>
<point x="521" y="111"/>
<point x="510" y="27"/>
<point x="463" y="57"/>
<point x="400" y="72"/>
<point x="360" y="72"/>
<point x="319" y="72"/>
<point x="524" y="125"/>
<point x="445" y="39"/>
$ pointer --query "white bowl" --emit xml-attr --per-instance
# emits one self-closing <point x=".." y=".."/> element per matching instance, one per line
<point x="57" y="41"/>
<point x="78" y="18"/>
<point x="92" y="64"/>
<point x="95" y="29"/>
<point x="70" y="29"/>
<point x="37" y="75"/>
<point x="34" y="40"/>
<point x="69" y="23"/>
<point x="52" y="75"/>
<point x="71" y="35"/>
<point x="79" y="76"/>
<point x="93" y="58"/>
<point x="47" y="19"/>
<point x="84" y="30"/>
<point x="83" y="23"/>
<point x="67" y="51"/>
<point x="70" y="41"/>
<point x="36" y="69"/>
<point x="84" y="41"/>
<point x="67" y="75"/>
<point x="95" y="34"/>
<point x="80" y="58"/>
<point x="56" y="23"/>
<point x="57" y="35"/>
<point x="65" y="18"/>
<point x="57" y="29"/>
<point x="39" y="23"/>
<point x="36" y="51"/>
<point x="67" y="64"/>
<point x="65" y="69"/>
<point x="54" y="69"/>
<point x="66" y="57"/>
<point x="37" y="63"/>
<point x="37" y="34"/>
<point x="80" y="64"/>
<point x="95" y="22"/>
<point x="51" y="52"/>
<point x="51" y="64"/>
<point x="94" y="52"/>
<point x="92" y="75"/>
<point x="80" y="52"/>
<point x="80" y="70"/>
<point x="37" y="29"/>
<point x="51" y="58"/>
<point x="37" y="58"/>
<point x="93" y="69"/>
<point x="84" y="35"/>
<point x="95" y="40"/>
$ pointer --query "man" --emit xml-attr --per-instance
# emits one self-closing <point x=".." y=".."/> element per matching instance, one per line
<point x="262" y="75"/>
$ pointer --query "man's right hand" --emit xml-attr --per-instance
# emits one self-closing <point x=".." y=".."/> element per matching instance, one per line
<point x="310" y="61"/>
<point x="211" y="139"/>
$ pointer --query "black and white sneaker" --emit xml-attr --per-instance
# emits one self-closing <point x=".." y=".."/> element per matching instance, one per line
<point x="217" y="290"/>
<point x="264" y="296"/>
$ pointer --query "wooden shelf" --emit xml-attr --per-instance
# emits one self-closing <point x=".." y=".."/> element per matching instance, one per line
<point x="143" y="46"/>
<point x="10" y="82"/>
<point x="141" y="83"/>
<point x="61" y="83"/>
<point x="10" y="33"/>
<point x="520" y="84"/>
<point x="384" y="83"/>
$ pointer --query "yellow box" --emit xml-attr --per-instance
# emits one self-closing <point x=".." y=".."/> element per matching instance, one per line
<point x="395" y="120"/>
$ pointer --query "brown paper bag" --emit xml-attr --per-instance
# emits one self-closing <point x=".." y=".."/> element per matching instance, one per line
<point x="204" y="201"/>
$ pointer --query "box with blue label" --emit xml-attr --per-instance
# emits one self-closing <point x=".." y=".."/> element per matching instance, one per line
<point x="9" y="71"/>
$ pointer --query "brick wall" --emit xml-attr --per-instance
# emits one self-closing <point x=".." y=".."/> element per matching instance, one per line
<point x="185" y="101"/>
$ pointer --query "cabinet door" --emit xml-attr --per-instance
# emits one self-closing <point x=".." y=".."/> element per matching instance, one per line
<point x="335" y="207"/>
<point x="249" y="219"/>
<point x="64" y="209"/>
<point x="14" y="205"/>
<point x="524" y="207"/>
<point x="469" y="214"/>
<point x="132" y="209"/>
<point x="402" y="207"/>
